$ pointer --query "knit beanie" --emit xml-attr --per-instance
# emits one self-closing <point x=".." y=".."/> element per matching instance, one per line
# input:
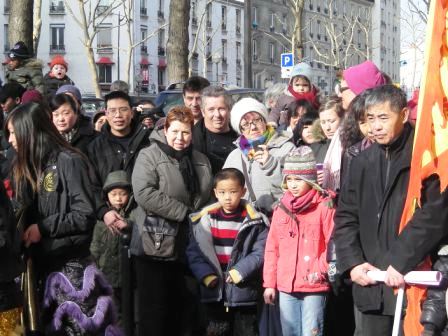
<point x="301" y="69"/>
<point x="363" y="76"/>
<point x="70" y="89"/>
<point x="58" y="59"/>
<point x="19" y="51"/>
<point x="301" y="162"/>
<point x="243" y="107"/>
<point x="32" y="96"/>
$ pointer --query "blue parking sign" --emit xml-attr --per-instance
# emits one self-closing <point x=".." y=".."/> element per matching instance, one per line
<point x="287" y="60"/>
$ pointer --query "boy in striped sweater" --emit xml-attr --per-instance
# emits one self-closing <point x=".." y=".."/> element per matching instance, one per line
<point x="225" y="254"/>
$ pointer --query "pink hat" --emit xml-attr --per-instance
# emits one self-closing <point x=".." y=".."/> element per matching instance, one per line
<point x="363" y="76"/>
<point x="31" y="96"/>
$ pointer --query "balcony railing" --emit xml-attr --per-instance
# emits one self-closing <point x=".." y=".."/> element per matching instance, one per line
<point x="161" y="51"/>
<point x="59" y="48"/>
<point x="104" y="48"/>
<point x="57" y="9"/>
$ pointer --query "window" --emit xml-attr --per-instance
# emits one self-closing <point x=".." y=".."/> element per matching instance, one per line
<point x="272" y="52"/>
<point x="161" y="76"/>
<point x="161" y="42"/>
<point x="224" y="50"/>
<point x="272" y="21"/>
<point x="104" y="39"/>
<point x="254" y="50"/>
<point x="7" y="7"/>
<point x="105" y="73"/>
<point x="223" y="17"/>
<point x="193" y="10"/>
<point x="254" y="14"/>
<point x="238" y="52"/>
<point x="143" y="35"/>
<point x="143" y="8"/>
<point x="238" y="20"/>
<point x="209" y="15"/>
<point x="6" y="47"/>
<point x="57" y="7"/>
<point x="57" y="38"/>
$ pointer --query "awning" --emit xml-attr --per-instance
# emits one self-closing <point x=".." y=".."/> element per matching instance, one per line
<point x="162" y="63"/>
<point x="105" y="60"/>
<point x="144" y="61"/>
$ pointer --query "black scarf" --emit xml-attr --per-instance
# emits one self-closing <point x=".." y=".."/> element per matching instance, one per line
<point x="185" y="164"/>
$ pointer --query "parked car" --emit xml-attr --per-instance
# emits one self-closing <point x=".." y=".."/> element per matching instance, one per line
<point x="91" y="104"/>
<point x="172" y="96"/>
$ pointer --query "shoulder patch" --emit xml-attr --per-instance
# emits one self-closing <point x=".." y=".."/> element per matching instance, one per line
<point x="49" y="182"/>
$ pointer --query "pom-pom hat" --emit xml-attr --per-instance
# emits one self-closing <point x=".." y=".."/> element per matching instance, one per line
<point x="301" y="162"/>
<point x="58" y="59"/>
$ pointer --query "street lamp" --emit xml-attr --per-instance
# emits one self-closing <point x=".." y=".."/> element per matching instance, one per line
<point x="216" y="58"/>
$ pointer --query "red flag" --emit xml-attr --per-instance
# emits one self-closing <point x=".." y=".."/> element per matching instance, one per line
<point x="430" y="153"/>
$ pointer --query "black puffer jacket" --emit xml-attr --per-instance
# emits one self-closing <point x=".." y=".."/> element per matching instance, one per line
<point x="65" y="207"/>
<point x="52" y="84"/>
<point x="368" y="216"/>
<point x="84" y="135"/>
<point x="10" y="264"/>
<point x="107" y="155"/>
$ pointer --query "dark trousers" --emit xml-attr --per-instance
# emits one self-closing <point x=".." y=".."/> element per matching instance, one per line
<point x="160" y="286"/>
<point x="234" y="321"/>
<point x="377" y="325"/>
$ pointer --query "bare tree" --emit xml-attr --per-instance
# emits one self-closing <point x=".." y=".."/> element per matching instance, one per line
<point x="177" y="44"/>
<point x="89" y="17"/>
<point x="37" y="24"/>
<point x="20" y="24"/>
<point x="337" y="43"/>
<point x="296" y="7"/>
<point x="420" y="7"/>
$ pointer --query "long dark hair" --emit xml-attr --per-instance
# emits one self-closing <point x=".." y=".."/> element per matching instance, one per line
<point x="36" y="138"/>
<point x="350" y="131"/>
<point x="306" y="120"/>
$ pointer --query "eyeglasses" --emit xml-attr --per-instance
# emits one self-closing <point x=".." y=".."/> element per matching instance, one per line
<point x="119" y="111"/>
<point x="256" y="122"/>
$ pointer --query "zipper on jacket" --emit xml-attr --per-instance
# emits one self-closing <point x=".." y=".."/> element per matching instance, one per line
<point x="388" y="160"/>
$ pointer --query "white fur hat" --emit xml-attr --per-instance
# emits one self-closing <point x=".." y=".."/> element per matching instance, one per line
<point x="244" y="106"/>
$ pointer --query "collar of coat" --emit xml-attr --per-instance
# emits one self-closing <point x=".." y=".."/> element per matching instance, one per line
<point x="252" y="214"/>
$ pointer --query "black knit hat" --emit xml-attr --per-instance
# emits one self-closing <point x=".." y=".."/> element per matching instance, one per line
<point x="19" y="51"/>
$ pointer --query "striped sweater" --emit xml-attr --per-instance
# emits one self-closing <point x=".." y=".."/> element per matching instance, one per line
<point x="224" y="230"/>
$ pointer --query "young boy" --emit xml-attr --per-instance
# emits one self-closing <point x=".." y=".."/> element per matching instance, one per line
<point x="105" y="246"/>
<point x="225" y="254"/>
<point x="57" y="76"/>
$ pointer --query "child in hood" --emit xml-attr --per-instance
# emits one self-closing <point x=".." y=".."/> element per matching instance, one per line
<point x="299" y="87"/>
<point x="57" y="76"/>
<point x="295" y="259"/>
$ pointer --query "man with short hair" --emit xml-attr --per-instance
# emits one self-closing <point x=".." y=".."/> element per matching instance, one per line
<point x="370" y="208"/>
<point x="116" y="148"/>
<point x="212" y="135"/>
<point x="191" y="93"/>
<point x="11" y="96"/>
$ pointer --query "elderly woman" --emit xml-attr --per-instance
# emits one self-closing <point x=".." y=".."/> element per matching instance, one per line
<point x="73" y="126"/>
<point x="170" y="180"/>
<point x="259" y="154"/>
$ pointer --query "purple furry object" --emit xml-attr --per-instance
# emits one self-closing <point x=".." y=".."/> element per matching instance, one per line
<point x="58" y="282"/>
<point x="104" y="315"/>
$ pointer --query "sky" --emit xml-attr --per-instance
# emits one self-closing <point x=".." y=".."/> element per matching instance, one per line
<point x="413" y="31"/>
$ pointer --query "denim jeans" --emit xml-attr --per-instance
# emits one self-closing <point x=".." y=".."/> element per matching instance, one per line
<point x="302" y="314"/>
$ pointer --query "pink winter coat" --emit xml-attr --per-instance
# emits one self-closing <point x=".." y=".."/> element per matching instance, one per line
<point x="296" y="255"/>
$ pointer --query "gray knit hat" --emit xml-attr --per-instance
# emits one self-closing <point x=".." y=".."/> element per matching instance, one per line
<point x="301" y="162"/>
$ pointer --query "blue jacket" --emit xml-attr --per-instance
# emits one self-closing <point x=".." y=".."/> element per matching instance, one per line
<point x="247" y="257"/>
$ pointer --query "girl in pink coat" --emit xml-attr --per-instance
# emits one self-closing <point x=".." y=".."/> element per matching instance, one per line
<point x="295" y="264"/>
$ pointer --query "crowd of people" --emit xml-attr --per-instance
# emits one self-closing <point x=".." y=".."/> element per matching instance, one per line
<point x="220" y="218"/>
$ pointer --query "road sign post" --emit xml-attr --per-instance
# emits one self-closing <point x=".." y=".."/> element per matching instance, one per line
<point x="287" y="63"/>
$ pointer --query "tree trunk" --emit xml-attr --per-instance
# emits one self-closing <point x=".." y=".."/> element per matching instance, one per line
<point x="178" y="38"/>
<point x="37" y="24"/>
<point x="20" y="24"/>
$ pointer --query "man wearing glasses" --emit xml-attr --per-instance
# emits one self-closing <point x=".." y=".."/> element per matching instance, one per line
<point x="116" y="148"/>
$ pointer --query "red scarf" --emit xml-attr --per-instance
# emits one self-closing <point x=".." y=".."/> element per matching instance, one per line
<point x="298" y="204"/>
<point x="310" y="96"/>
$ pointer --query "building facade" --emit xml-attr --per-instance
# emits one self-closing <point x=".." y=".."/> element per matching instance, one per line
<point x="386" y="37"/>
<point x="145" y="42"/>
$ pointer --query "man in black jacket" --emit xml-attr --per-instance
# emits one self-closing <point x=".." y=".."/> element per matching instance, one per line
<point x="370" y="209"/>
<point x="212" y="135"/>
<point x="116" y="148"/>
